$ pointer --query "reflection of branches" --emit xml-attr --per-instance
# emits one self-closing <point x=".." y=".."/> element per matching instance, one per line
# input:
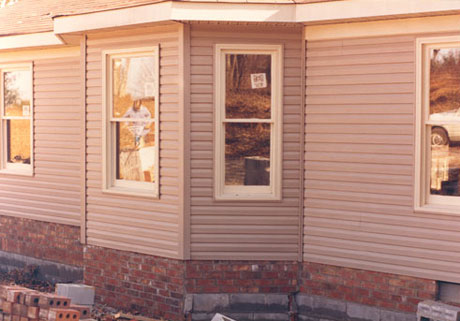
<point x="444" y="80"/>
<point x="11" y="94"/>
<point x="239" y="68"/>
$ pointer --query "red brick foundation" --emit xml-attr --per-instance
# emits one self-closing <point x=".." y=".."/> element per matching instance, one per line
<point x="389" y="291"/>
<point x="157" y="286"/>
<point x="151" y="285"/>
<point x="241" y="277"/>
<point x="47" y="241"/>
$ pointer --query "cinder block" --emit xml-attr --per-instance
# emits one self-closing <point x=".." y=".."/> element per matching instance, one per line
<point x="85" y="311"/>
<point x="63" y="315"/>
<point x="210" y="302"/>
<point x="79" y="294"/>
<point x="363" y="312"/>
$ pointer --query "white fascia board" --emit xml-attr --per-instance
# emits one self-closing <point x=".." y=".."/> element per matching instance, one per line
<point x="251" y="12"/>
<point x="113" y="18"/>
<point x="244" y="12"/>
<point x="33" y="40"/>
<point x="354" y="9"/>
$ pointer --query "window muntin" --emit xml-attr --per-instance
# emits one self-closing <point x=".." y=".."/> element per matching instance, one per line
<point x="16" y="119"/>
<point x="439" y="133"/>
<point x="131" y="155"/>
<point x="248" y="140"/>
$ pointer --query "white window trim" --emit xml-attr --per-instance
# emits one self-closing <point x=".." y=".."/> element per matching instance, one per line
<point x="423" y="201"/>
<point x="272" y="192"/>
<point x="109" y="182"/>
<point x="5" y="166"/>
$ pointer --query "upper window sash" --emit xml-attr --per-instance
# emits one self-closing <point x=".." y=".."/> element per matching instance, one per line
<point x="257" y="118"/>
<point x="424" y="199"/>
<point x="24" y="92"/>
<point x="148" y="119"/>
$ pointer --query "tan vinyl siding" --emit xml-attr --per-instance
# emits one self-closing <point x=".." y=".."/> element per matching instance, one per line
<point x="243" y="229"/>
<point x="52" y="194"/>
<point x="359" y="163"/>
<point x="138" y="224"/>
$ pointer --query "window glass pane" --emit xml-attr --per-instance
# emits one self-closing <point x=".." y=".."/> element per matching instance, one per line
<point x="445" y="84"/>
<point x="445" y="160"/>
<point x="134" y="87"/>
<point x="247" y="154"/>
<point x="248" y="86"/>
<point x="135" y="151"/>
<point x="18" y="91"/>
<point x="18" y="141"/>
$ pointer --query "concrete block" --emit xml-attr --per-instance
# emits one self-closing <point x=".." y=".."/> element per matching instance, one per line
<point x="221" y="317"/>
<point x="305" y="303"/>
<point x="240" y="316"/>
<point x="79" y="294"/>
<point x="202" y="316"/>
<point x="247" y="302"/>
<point x="277" y="303"/>
<point x="329" y="308"/>
<point x="210" y="303"/>
<point x="362" y="312"/>
<point x="188" y="304"/>
<point x="387" y="315"/>
<point x="271" y="317"/>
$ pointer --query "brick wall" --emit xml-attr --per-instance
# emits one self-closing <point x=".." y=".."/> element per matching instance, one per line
<point x="42" y="240"/>
<point x="389" y="291"/>
<point x="241" y="277"/>
<point x="131" y="281"/>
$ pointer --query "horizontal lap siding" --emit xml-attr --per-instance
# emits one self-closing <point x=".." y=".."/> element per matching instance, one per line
<point x="52" y="194"/>
<point x="248" y="229"/>
<point x="359" y="163"/>
<point x="124" y="222"/>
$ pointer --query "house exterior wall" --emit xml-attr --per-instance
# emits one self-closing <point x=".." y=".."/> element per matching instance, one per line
<point x="130" y="223"/>
<point x="52" y="194"/>
<point x="242" y="229"/>
<point x="359" y="163"/>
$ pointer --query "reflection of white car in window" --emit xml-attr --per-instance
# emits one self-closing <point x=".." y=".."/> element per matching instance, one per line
<point x="443" y="134"/>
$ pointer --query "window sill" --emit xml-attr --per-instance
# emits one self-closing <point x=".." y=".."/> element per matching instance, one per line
<point x="248" y="197"/>
<point x="132" y="192"/>
<point x="438" y="209"/>
<point x="20" y="172"/>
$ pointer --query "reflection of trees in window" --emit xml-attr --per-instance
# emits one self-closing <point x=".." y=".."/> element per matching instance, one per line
<point x="444" y="80"/>
<point x="11" y="93"/>
<point x="247" y="145"/>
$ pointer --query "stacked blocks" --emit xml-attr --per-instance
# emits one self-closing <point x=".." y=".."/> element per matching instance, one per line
<point x="22" y="304"/>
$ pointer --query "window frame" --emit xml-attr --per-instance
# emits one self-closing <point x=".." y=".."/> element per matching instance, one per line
<point x="240" y="192"/>
<point x="423" y="200"/>
<point x="110" y="184"/>
<point x="5" y="166"/>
